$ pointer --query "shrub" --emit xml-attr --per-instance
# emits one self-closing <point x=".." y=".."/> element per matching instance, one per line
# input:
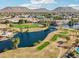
<point x="36" y="43"/>
<point x="6" y="49"/>
<point x="15" y="42"/>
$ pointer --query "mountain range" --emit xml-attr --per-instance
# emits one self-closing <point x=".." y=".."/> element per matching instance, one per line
<point x="65" y="9"/>
<point x="25" y="9"/>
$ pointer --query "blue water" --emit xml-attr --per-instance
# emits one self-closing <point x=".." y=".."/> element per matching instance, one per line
<point x="73" y="27"/>
<point x="77" y="49"/>
<point x="27" y="39"/>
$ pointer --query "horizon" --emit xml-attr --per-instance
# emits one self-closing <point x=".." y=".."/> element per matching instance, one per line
<point x="32" y="9"/>
<point x="36" y="4"/>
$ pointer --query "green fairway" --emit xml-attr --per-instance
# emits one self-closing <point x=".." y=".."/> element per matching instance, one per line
<point x="61" y="34"/>
<point x="25" y="25"/>
<point x="55" y="37"/>
<point x="43" y="45"/>
<point x="64" y="33"/>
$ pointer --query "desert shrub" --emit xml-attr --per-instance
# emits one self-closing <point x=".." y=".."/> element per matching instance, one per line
<point x="15" y="42"/>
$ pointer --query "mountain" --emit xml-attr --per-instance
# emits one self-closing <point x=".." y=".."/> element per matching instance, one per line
<point x="22" y="9"/>
<point x="15" y="9"/>
<point x="41" y="10"/>
<point x="76" y="7"/>
<point x="64" y="9"/>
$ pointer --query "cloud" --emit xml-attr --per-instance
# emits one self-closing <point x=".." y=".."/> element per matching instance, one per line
<point x="42" y="1"/>
<point x="34" y="4"/>
<point x="75" y="6"/>
<point x="31" y="6"/>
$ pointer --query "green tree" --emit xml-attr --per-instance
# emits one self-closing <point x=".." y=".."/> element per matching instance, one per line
<point x="71" y="23"/>
<point x="21" y="21"/>
<point x="57" y="17"/>
<point x="48" y="15"/>
<point x="15" y="42"/>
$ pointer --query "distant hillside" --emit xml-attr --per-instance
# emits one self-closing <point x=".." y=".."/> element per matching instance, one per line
<point x="41" y="10"/>
<point x="64" y="9"/>
<point x="22" y="9"/>
<point x="76" y="7"/>
<point x="15" y="9"/>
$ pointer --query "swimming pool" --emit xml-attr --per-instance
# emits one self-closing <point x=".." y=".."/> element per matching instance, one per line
<point x="77" y="49"/>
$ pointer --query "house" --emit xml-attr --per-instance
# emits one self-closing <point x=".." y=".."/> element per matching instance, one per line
<point x="2" y="21"/>
<point x="13" y="20"/>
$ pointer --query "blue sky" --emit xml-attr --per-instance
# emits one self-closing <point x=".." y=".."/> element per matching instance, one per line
<point x="33" y="4"/>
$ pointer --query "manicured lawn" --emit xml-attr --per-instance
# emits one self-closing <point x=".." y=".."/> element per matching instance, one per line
<point x="55" y="37"/>
<point x="61" y="34"/>
<point x="64" y="33"/>
<point x="71" y="30"/>
<point x="25" y="25"/>
<point x="43" y="45"/>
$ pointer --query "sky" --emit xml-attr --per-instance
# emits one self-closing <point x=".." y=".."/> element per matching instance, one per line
<point x="34" y="4"/>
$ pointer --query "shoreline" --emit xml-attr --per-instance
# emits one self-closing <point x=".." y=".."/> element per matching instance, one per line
<point x="30" y="29"/>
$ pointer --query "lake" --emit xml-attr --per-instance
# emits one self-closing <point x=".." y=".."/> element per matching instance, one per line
<point x="73" y="27"/>
<point x="27" y="39"/>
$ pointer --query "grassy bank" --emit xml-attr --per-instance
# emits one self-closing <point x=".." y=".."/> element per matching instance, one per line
<point x="26" y="25"/>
